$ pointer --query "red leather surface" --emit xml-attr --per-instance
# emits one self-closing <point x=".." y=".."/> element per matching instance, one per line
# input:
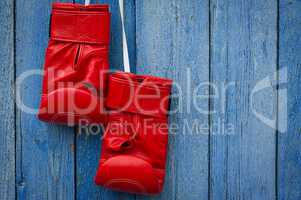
<point x="76" y="61"/>
<point x="89" y="24"/>
<point x="134" y="149"/>
<point x="139" y="94"/>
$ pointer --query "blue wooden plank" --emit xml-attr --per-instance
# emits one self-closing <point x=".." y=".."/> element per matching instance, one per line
<point x="172" y="41"/>
<point x="88" y="145"/>
<point x="289" y="141"/>
<point x="7" y="119"/>
<point x="45" y="153"/>
<point x="243" y="52"/>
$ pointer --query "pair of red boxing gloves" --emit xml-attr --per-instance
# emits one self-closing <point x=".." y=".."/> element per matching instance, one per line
<point x="133" y="108"/>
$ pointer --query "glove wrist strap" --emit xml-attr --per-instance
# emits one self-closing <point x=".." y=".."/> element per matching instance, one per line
<point x="138" y="94"/>
<point x="74" y="24"/>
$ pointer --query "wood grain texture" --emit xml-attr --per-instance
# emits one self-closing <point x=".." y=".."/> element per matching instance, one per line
<point x="233" y="44"/>
<point x="243" y="52"/>
<point x="7" y="108"/>
<point x="45" y="152"/>
<point x="173" y="42"/>
<point x="88" y="145"/>
<point x="289" y="146"/>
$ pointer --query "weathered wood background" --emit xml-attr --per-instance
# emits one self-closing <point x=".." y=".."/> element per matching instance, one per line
<point x="238" y="42"/>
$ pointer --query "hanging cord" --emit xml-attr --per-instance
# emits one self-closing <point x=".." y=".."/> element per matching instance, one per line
<point x="126" y="60"/>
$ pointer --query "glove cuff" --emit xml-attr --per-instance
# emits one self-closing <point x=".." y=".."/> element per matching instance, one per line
<point x="146" y="95"/>
<point x="79" y="23"/>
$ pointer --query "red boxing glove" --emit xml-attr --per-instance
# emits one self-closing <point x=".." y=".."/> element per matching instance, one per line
<point x="75" y="64"/>
<point x="135" y="141"/>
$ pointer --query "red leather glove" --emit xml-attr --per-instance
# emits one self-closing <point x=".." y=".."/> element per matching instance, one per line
<point x="75" y="64"/>
<point x="135" y="141"/>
